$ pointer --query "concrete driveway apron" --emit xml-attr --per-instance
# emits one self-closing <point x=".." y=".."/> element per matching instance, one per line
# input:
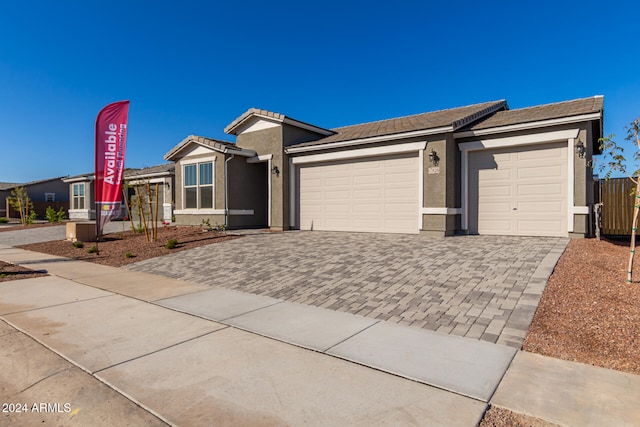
<point x="480" y="287"/>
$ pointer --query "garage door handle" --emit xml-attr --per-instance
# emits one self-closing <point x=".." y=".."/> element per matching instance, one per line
<point x="515" y="209"/>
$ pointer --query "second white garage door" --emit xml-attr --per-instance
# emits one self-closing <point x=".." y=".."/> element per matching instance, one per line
<point x="519" y="191"/>
<point x="377" y="194"/>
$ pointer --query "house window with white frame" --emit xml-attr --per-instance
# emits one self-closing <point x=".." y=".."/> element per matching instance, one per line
<point x="78" y="196"/>
<point x="49" y="197"/>
<point x="198" y="185"/>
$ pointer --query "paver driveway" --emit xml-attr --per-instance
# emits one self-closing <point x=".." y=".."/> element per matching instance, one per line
<point x="482" y="287"/>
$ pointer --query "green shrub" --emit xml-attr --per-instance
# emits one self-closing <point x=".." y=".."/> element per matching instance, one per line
<point x="92" y="250"/>
<point x="78" y="244"/>
<point x="3" y="220"/>
<point x="129" y="255"/>
<point x="53" y="215"/>
<point x="171" y="243"/>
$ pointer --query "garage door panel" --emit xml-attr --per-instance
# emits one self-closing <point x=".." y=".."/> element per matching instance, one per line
<point x="540" y="172"/>
<point x="545" y="190"/>
<point x="363" y="209"/>
<point x="519" y="191"/>
<point x="368" y="194"/>
<point x="539" y="227"/>
<point x="494" y="175"/>
<point x="541" y="208"/>
<point x="495" y="190"/>
<point x="368" y="179"/>
<point x="379" y="195"/>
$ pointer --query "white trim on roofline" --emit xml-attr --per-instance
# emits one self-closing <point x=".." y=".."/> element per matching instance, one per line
<point x="363" y="152"/>
<point x="524" y="126"/>
<point x="569" y="136"/>
<point x="259" y="159"/>
<point x="441" y="211"/>
<point x="139" y="181"/>
<point x="199" y="211"/>
<point x="213" y="212"/>
<point x="370" y="140"/>
<point x="306" y="126"/>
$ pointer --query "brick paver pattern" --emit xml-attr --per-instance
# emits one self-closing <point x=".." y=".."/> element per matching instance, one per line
<point x="480" y="287"/>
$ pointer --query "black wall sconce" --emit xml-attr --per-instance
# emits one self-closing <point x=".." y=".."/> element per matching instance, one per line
<point x="580" y="149"/>
<point x="433" y="157"/>
<point x="275" y="171"/>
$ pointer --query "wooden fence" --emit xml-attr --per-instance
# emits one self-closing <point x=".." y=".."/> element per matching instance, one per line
<point x="617" y="197"/>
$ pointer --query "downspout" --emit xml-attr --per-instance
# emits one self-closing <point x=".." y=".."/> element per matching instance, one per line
<point x="226" y="190"/>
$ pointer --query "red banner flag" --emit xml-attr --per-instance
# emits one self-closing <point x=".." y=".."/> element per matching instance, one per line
<point x="111" y="142"/>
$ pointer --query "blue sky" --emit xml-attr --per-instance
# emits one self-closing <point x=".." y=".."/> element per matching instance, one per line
<point x="191" y="67"/>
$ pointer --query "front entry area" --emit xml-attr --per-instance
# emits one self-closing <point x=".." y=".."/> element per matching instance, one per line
<point x="519" y="191"/>
<point x="374" y="194"/>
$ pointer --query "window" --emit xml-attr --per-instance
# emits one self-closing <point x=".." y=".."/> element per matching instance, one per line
<point x="50" y="197"/>
<point x="78" y="196"/>
<point x="198" y="185"/>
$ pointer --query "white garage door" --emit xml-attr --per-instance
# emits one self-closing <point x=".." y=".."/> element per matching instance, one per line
<point x="377" y="194"/>
<point x="519" y="191"/>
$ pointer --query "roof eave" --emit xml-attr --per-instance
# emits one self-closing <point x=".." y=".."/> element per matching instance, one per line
<point x="369" y="140"/>
<point x="529" y="125"/>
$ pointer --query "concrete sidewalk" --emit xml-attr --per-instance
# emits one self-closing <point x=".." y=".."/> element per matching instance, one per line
<point x="192" y="354"/>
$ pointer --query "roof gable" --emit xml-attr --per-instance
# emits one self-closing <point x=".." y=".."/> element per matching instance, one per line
<point x="253" y="115"/>
<point x="214" y="144"/>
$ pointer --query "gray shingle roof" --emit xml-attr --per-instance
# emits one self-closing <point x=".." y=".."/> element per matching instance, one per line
<point x="453" y="117"/>
<point x="9" y="185"/>
<point x="556" y="110"/>
<point x="167" y="168"/>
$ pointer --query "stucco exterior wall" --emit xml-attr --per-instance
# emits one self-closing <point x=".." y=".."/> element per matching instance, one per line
<point x="264" y="142"/>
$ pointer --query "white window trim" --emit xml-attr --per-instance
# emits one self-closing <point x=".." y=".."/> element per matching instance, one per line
<point x="356" y="154"/>
<point x="84" y="196"/>
<point x="186" y="162"/>
<point x="532" y="139"/>
<point x="213" y="211"/>
<point x="50" y="194"/>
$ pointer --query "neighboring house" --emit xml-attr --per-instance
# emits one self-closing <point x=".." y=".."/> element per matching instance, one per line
<point x="160" y="175"/>
<point x="478" y="169"/>
<point x="5" y="191"/>
<point x="43" y="193"/>
<point x="81" y="190"/>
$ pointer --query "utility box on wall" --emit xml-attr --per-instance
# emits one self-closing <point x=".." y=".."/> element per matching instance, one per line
<point x="82" y="231"/>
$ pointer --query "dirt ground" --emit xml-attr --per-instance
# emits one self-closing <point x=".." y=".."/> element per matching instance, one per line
<point x="588" y="312"/>
<point x="14" y="272"/>
<point x="118" y="249"/>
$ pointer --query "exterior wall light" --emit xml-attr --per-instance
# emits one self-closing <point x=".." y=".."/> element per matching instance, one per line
<point x="433" y="157"/>
<point x="580" y="149"/>
<point x="275" y="171"/>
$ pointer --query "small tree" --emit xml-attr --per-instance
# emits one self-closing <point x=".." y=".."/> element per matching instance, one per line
<point x="614" y="160"/>
<point x="21" y="202"/>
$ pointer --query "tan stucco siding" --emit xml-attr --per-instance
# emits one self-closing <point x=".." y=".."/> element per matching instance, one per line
<point x="264" y="142"/>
